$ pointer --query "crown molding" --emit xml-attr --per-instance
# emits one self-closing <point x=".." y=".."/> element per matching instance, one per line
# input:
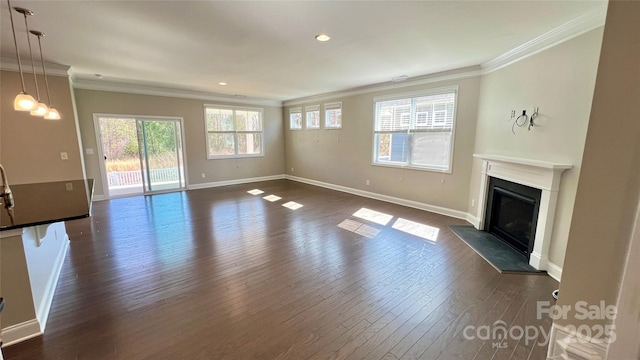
<point x="53" y="69"/>
<point x="464" y="73"/>
<point x="140" y="89"/>
<point x="586" y="22"/>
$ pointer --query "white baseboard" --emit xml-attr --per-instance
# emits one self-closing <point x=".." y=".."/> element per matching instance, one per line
<point x="20" y="332"/>
<point x="565" y="344"/>
<point x="395" y="200"/>
<point x="99" y="198"/>
<point x="473" y="220"/>
<point x="554" y="271"/>
<point x="234" y="182"/>
<point x="42" y="313"/>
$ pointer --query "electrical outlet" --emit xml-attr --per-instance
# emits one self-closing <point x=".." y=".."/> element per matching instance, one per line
<point x="203" y="175"/>
<point x="513" y="114"/>
<point x="473" y="202"/>
<point x="368" y="183"/>
<point x="69" y="186"/>
<point x="88" y="151"/>
<point x="292" y="169"/>
<point x="64" y="156"/>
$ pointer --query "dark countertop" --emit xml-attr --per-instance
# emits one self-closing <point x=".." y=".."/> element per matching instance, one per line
<point x="45" y="203"/>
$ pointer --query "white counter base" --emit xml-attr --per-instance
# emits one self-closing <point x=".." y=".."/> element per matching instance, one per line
<point x="45" y="248"/>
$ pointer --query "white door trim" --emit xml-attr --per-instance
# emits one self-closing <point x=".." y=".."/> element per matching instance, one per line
<point x="96" y="127"/>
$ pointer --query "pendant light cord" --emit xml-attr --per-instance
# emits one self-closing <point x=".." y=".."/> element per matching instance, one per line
<point x="33" y="66"/>
<point x="15" y="42"/>
<point x="44" y="69"/>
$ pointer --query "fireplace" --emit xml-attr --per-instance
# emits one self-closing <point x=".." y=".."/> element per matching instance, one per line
<point x="541" y="175"/>
<point x="512" y="213"/>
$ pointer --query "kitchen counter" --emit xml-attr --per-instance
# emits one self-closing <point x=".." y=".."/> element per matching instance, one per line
<point x="45" y="203"/>
<point x="33" y="246"/>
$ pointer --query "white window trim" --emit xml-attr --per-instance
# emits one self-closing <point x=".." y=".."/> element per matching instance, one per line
<point x="332" y="106"/>
<point x="235" y="156"/>
<point x="415" y="94"/>
<point x="307" y="110"/>
<point x="296" y="110"/>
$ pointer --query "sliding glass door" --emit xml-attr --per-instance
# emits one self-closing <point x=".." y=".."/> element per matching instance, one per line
<point x="140" y="155"/>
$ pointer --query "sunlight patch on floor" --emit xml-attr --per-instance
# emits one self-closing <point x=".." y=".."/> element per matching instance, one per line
<point x="417" y="229"/>
<point x="359" y="228"/>
<point x="373" y="216"/>
<point x="255" y="192"/>
<point x="272" y="198"/>
<point x="292" y="205"/>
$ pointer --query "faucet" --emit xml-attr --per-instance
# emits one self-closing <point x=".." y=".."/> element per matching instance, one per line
<point x="6" y="194"/>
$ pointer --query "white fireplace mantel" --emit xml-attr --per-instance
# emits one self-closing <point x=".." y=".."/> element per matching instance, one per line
<point x="541" y="175"/>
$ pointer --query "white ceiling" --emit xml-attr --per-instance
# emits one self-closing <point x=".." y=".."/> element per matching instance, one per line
<point x="266" y="49"/>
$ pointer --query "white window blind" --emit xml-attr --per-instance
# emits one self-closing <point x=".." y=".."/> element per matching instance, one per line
<point x="313" y="116"/>
<point x="415" y="130"/>
<point x="295" y="118"/>
<point x="333" y="115"/>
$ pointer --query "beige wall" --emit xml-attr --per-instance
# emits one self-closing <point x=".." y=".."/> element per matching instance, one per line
<point x="607" y="196"/>
<point x="30" y="146"/>
<point x="560" y="82"/>
<point x="192" y="111"/>
<point x="16" y="286"/>
<point x="343" y="157"/>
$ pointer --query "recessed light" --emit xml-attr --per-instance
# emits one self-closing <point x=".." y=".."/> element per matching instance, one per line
<point x="399" y="78"/>
<point x="222" y="83"/>
<point x="323" y="37"/>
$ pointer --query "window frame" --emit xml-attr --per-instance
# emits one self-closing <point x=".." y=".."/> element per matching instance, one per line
<point x="413" y="128"/>
<point x="295" y="110"/>
<point x="310" y="109"/>
<point x="328" y="107"/>
<point x="235" y="132"/>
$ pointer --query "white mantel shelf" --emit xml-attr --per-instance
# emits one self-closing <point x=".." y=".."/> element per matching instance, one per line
<point x="526" y="162"/>
<point x="538" y="174"/>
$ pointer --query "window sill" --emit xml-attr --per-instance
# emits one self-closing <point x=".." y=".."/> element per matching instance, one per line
<point x="409" y="167"/>
<point x="231" y="157"/>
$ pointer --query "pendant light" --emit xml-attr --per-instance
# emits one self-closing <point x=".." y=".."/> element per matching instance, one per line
<point x="52" y="113"/>
<point x="23" y="101"/>
<point x="41" y="108"/>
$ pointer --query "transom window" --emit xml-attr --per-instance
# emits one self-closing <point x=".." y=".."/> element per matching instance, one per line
<point x="233" y="132"/>
<point x="415" y="130"/>
<point x="295" y="118"/>
<point x="333" y="115"/>
<point x="313" y="116"/>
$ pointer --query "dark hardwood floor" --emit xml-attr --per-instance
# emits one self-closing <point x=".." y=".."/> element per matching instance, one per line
<point x="223" y="274"/>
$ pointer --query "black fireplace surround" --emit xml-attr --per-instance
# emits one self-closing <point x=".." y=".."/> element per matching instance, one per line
<point x="512" y="213"/>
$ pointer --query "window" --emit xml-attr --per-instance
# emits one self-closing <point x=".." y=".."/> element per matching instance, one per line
<point x="415" y="130"/>
<point x="233" y="132"/>
<point x="313" y="116"/>
<point x="295" y="118"/>
<point x="333" y="115"/>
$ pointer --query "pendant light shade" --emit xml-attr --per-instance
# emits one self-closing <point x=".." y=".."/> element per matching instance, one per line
<point x="23" y="101"/>
<point x="41" y="109"/>
<point x="52" y="114"/>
